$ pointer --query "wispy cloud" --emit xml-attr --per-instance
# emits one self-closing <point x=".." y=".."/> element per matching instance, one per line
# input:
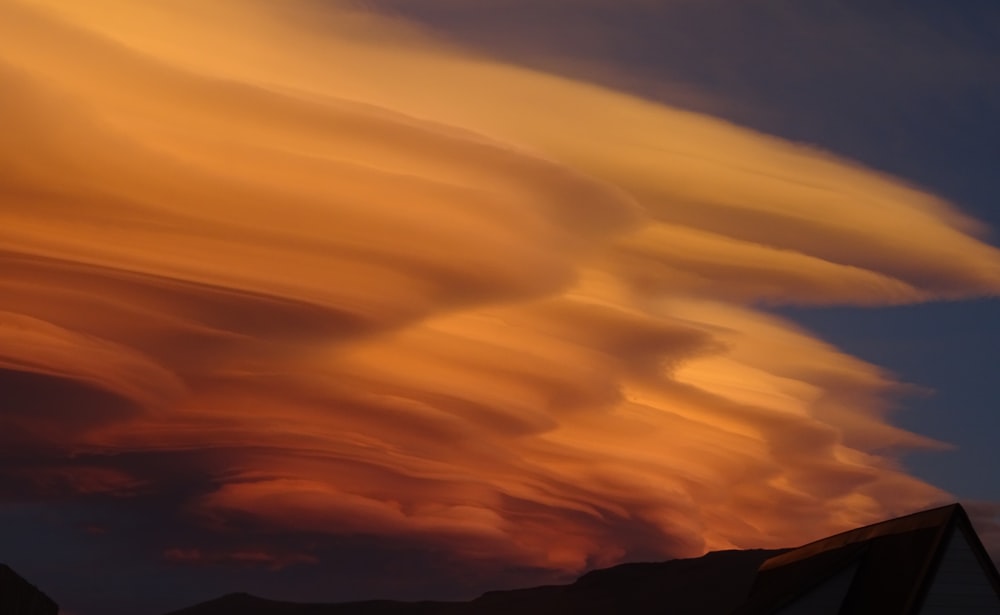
<point x="364" y="283"/>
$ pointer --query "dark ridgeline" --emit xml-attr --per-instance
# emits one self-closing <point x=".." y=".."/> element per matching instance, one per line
<point x="715" y="583"/>
<point x="931" y="563"/>
<point x="18" y="597"/>
<point x="927" y="563"/>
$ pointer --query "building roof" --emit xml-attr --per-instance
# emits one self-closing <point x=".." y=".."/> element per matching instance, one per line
<point x="19" y="597"/>
<point x="895" y="560"/>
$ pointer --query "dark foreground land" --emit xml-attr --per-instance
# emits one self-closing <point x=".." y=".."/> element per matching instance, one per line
<point x="688" y="586"/>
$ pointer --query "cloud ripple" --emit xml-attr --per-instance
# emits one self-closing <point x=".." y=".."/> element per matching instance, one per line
<point x="395" y="289"/>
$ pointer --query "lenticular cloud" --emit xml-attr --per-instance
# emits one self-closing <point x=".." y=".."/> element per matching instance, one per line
<point x="370" y="284"/>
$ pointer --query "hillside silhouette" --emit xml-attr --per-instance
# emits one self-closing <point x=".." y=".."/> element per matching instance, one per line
<point x="689" y="586"/>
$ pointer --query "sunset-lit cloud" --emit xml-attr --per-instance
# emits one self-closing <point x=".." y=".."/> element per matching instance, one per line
<point x="364" y="283"/>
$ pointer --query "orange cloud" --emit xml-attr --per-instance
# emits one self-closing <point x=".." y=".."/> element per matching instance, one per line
<point x="374" y="285"/>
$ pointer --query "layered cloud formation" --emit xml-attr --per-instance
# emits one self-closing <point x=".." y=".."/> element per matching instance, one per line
<point x="356" y="282"/>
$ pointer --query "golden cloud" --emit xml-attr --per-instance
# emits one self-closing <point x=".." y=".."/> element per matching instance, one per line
<point x="401" y="290"/>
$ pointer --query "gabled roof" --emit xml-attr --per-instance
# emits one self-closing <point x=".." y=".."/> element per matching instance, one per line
<point x="895" y="562"/>
<point x="18" y="597"/>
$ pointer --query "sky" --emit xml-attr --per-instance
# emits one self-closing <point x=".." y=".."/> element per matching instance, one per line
<point x="414" y="299"/>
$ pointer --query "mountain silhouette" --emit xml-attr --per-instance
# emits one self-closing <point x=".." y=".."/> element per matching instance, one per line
<point x="688" y="586"/>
